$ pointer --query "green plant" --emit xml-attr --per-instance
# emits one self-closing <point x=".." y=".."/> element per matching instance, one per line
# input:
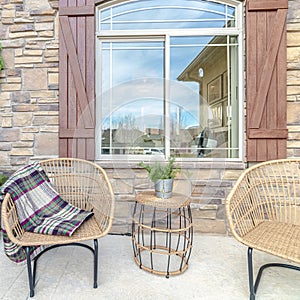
<point x="158" y="171"/>
<point x="3" y="178"/>
<point x="1" y="59"/>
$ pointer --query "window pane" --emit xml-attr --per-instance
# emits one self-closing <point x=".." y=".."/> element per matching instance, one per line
<point x="153" y="14"/>
<point x="132" y="97"/>
<point x="202" y="123"/>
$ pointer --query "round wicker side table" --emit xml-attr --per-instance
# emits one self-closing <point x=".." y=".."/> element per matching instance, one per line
<point x="162" y="233"/>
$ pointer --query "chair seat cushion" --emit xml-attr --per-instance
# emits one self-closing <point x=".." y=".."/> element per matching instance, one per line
<point x="88" y="230"/>
<point x="277" y="238"/>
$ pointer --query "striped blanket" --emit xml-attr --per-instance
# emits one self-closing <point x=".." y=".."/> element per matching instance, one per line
<point x="40" y="209"/>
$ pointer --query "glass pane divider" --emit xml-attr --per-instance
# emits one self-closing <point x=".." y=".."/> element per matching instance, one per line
<point x="167" y="96"/>
<point x="159" y="32"/>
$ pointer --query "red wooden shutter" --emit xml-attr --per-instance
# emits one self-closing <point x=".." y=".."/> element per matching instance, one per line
<point x="266" y="79"/>
<point x="76" y="79"/>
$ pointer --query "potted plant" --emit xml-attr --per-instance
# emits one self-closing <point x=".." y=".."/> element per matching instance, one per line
<point x="3" y="178"/>
<point x="163" y="176"/>
<point x="1" y="60"/>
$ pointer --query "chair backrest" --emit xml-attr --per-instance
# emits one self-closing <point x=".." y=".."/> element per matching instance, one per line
<point x="83" y="184"/>
<point x="266" y="191"/>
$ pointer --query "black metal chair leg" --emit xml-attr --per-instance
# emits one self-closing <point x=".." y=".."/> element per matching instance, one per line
<point x="253" y="286"/>
<point x="29" y="269"/>
<point x="95" y="263"/>
<point x="34" y="270"/>
<point x="250" y="274"/>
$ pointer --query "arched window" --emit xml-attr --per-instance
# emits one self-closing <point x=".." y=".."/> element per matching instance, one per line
<point x="169" y="79"/>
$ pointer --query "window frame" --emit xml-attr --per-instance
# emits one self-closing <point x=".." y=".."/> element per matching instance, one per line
<point x="165" y="34"/>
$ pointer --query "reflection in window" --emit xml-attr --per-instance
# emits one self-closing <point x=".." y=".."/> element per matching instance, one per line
<point x="165" y="86"/>
<point x="153" y="14"/>
<point x="132" y="108"/>
<point x="209" y="69"/>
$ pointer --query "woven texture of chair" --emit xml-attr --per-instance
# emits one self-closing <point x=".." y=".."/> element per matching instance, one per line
<point x="263" y="211"/>
<point x="81" y="183"/>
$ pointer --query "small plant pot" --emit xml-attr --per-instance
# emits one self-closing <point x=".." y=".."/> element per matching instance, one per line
<point x="163" y="188"/>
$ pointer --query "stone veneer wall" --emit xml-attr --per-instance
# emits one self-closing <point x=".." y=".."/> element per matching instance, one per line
<point x="29" y="113"/>
<point x="29" y="83"/>
<point x="293" y="78"/>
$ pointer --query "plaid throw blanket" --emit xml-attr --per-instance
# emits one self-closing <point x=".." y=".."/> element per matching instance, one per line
<point x="40" y="209"/>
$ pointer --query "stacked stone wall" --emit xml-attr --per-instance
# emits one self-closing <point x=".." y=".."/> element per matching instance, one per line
<point x="29" y="82"/>
<point x="293" y="78"/>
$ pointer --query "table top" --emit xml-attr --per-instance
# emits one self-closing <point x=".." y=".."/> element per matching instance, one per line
<point x="176" y="201"/>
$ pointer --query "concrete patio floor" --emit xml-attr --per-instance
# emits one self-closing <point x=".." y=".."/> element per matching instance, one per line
<point x="217" y="270"/>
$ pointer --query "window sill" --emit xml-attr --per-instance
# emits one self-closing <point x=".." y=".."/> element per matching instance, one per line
<point x="125" y="164"/>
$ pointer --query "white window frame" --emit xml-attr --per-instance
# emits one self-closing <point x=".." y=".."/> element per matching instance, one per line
<point x="166" y="34"/>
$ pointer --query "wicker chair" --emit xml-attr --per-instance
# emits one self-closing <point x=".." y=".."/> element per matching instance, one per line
<point x="263" y="210"/>
<point x="83" y="184"/>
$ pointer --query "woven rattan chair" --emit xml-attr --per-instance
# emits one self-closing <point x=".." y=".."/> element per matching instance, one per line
<point x="81" y="183"/>
<point x="263" y="210"/>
